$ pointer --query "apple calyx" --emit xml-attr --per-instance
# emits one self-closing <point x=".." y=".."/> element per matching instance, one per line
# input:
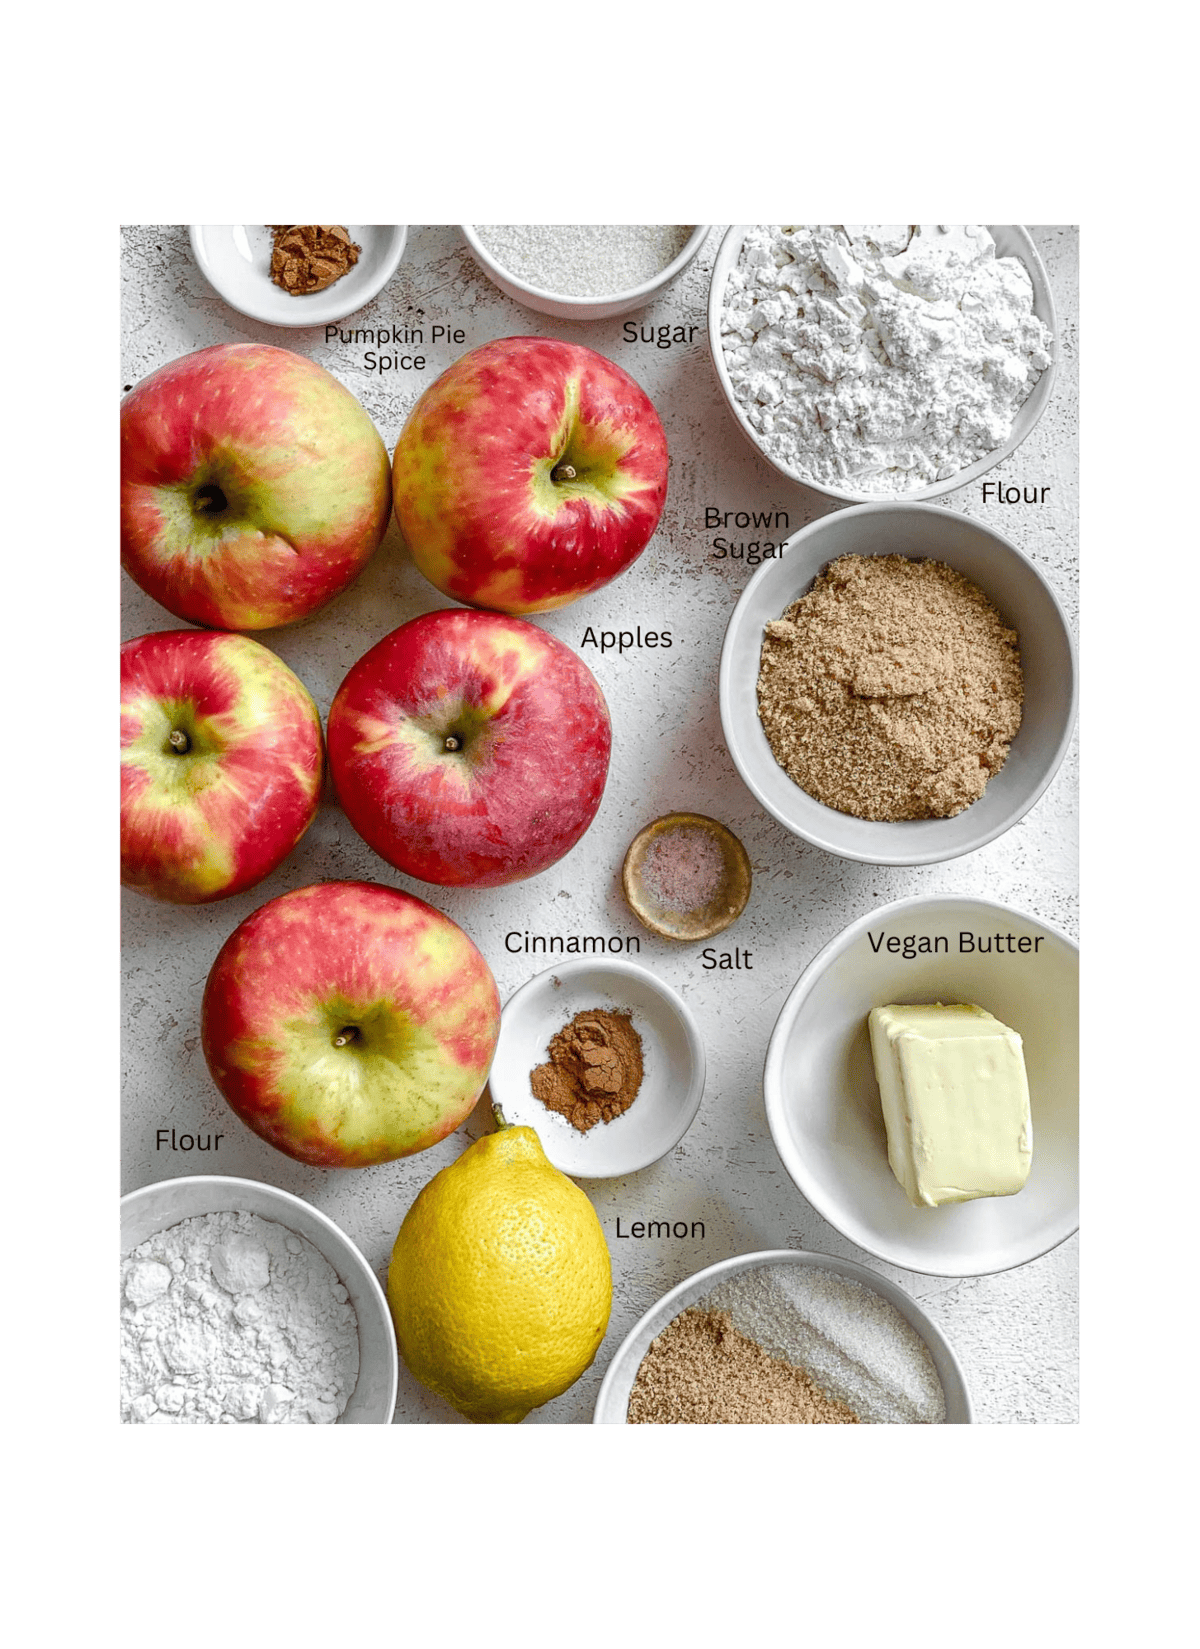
<point x="209" y="500"/>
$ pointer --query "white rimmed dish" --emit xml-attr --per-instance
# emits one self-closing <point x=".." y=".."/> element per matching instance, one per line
<point x="569" y="307"/>
<point x="1023" y="599"/>
<point x="156" y="1207"/>
<point x="612" y="1404"/>
<point x="823" y="1102"/>
<point x="1012" y="241"/>
<point x="235" y="260"/>
<point x="672" y="1056"/>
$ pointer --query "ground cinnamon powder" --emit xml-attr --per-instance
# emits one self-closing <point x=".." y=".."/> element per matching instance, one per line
<point x="702" y="1371"/>
<point x="594" y="1070"/>
<point x="308" y="257"/>
<point x="892" y="690"/>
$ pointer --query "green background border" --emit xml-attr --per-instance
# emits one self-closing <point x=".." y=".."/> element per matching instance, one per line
<point x="571" y="1531"/>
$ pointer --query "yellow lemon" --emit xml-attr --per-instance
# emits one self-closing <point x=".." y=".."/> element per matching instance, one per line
<point x="500" y="1283"/>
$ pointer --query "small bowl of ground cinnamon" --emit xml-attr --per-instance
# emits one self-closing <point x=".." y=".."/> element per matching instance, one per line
<point x="298" y="274"/>
<point x="899" y="686"/>
<point x="604" y="1061"/>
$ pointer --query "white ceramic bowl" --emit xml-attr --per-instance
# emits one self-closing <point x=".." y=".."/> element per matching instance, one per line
<point x="155" y="1207"/>
<point x="823" y="1102"/>
<point x="235" y="259"/>
<point x="1022" y="597"/>
<point x="672" y="1055"/>
<point x="612" y="1405"/>
<point x="565" y="307"/>
<point x="1012" y="241"/>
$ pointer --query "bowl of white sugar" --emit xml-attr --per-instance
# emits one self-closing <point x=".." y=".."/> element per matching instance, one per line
<point x="784" y="1337"/>
<point x="584" y="271"/>
<point x="244" y="1305"/>
<point x="877" y="361"/>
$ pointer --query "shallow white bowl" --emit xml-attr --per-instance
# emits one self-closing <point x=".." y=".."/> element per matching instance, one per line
<point x="235" y="259"/>
<point x="155" y="1207"/>
<point x="612" y="1405"/>
<point x="823" y="1102"/>
<point x="1012" y="241"/>
<point x="565" y="307"/>
<point x="1022" y="597"/>
<point x="672" y="1054"/>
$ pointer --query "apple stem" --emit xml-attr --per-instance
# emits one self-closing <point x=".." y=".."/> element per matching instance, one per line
<point x="563" y="472"/>
<point x="178" y="740"/>
<point x="452" y="742"/>
<point x="347" y="1034"/>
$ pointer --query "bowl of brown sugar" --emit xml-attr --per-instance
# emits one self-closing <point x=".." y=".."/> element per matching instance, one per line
<point x="604" y="1061"/>
<point x="899" y="686"/>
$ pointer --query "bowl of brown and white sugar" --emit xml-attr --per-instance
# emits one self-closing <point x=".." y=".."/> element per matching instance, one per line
<point x="784" y="1337"/>
<point x="898" y="687"/>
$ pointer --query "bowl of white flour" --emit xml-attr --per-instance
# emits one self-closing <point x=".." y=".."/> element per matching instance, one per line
<point x="244" y="1305"/>
<point x="882" y="361"/>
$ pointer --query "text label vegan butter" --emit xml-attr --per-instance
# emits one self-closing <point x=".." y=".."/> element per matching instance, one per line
<point x="909" y="945"/>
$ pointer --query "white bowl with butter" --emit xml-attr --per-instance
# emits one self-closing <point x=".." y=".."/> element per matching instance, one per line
<point x="824" y="1104"/>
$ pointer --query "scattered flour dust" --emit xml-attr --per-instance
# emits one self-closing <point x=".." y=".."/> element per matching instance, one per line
<point x="877" y="357"/>
<point x="229" y="1319"/>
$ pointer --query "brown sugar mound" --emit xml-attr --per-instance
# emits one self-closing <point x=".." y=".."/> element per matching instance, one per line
<point x="702" y="1371"/>
<point x="594" y="1070"/>
<point x="892" y="690"/>
<point x="308" y="257"/>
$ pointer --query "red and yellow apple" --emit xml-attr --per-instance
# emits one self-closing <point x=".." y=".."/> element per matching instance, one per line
<point x="529" y="474"/>
<point x="254" y="486"/>
<point x="221" y="764"/>
<point x="469" y="748"/>
<point x="349" y="1024"/>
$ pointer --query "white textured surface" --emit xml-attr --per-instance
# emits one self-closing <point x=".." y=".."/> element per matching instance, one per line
<point x="1015" y="1334"/>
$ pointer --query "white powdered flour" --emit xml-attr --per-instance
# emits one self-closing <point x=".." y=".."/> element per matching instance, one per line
<point x="229" y="1319"/>
<point x="880" y="358"/>
<point x="853" y="1342"/>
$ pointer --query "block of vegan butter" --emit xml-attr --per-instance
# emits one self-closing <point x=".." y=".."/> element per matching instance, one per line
<point x="955" y="1101"/>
